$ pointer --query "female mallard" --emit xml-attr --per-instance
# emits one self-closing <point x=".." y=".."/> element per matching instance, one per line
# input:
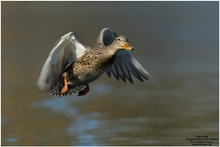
<point x="70" y="66"/>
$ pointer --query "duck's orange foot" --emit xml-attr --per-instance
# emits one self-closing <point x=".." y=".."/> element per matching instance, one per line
<point x="65" y="87"/>
<point x="84" y="91"/>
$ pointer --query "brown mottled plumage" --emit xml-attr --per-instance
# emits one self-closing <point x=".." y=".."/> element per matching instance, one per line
<point x="70" y="66"/>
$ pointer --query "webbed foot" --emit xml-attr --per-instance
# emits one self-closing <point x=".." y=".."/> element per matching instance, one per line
<point x="84" y="91"/>
<point x="65" y="87"/>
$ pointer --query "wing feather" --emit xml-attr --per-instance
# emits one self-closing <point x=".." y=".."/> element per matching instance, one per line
<point x="65" y="52"/>
<point x="114" y="71"/>
<point x="125" y="71"/>
<point x="120" y="72"/>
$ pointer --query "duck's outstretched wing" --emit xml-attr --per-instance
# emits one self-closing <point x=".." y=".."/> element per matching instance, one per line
<point x="125" y="63"/>
<point x="65" y="52"/>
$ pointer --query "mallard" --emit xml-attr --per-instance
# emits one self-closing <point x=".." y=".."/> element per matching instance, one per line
<point x="71" y="66"/>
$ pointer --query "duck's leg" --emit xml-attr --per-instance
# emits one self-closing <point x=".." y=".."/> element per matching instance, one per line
<point x="84" y="91"/>
<point x="65" y="87"/>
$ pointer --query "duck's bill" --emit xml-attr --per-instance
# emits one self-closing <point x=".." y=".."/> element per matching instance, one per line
<point x="127" y="46"/>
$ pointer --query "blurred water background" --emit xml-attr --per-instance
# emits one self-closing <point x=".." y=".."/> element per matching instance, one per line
<point x="177" y="42"/>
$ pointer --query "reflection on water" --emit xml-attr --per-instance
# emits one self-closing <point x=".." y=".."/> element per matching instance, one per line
<point x="162" y="118"/>
<point x="177" y="42"/>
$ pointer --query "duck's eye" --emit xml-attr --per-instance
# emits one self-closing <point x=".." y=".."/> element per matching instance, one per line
<point x="119" y="39"/>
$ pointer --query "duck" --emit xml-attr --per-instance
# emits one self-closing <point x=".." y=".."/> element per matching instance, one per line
<point x="70" y="66"/>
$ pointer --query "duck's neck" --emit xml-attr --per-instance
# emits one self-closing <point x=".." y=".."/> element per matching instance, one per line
<point x="111" y="50"/>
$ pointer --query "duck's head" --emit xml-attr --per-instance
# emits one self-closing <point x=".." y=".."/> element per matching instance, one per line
<point x="121" y="42"/>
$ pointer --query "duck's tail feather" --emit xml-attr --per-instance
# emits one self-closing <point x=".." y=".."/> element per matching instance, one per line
<point x="71" y="90"/>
